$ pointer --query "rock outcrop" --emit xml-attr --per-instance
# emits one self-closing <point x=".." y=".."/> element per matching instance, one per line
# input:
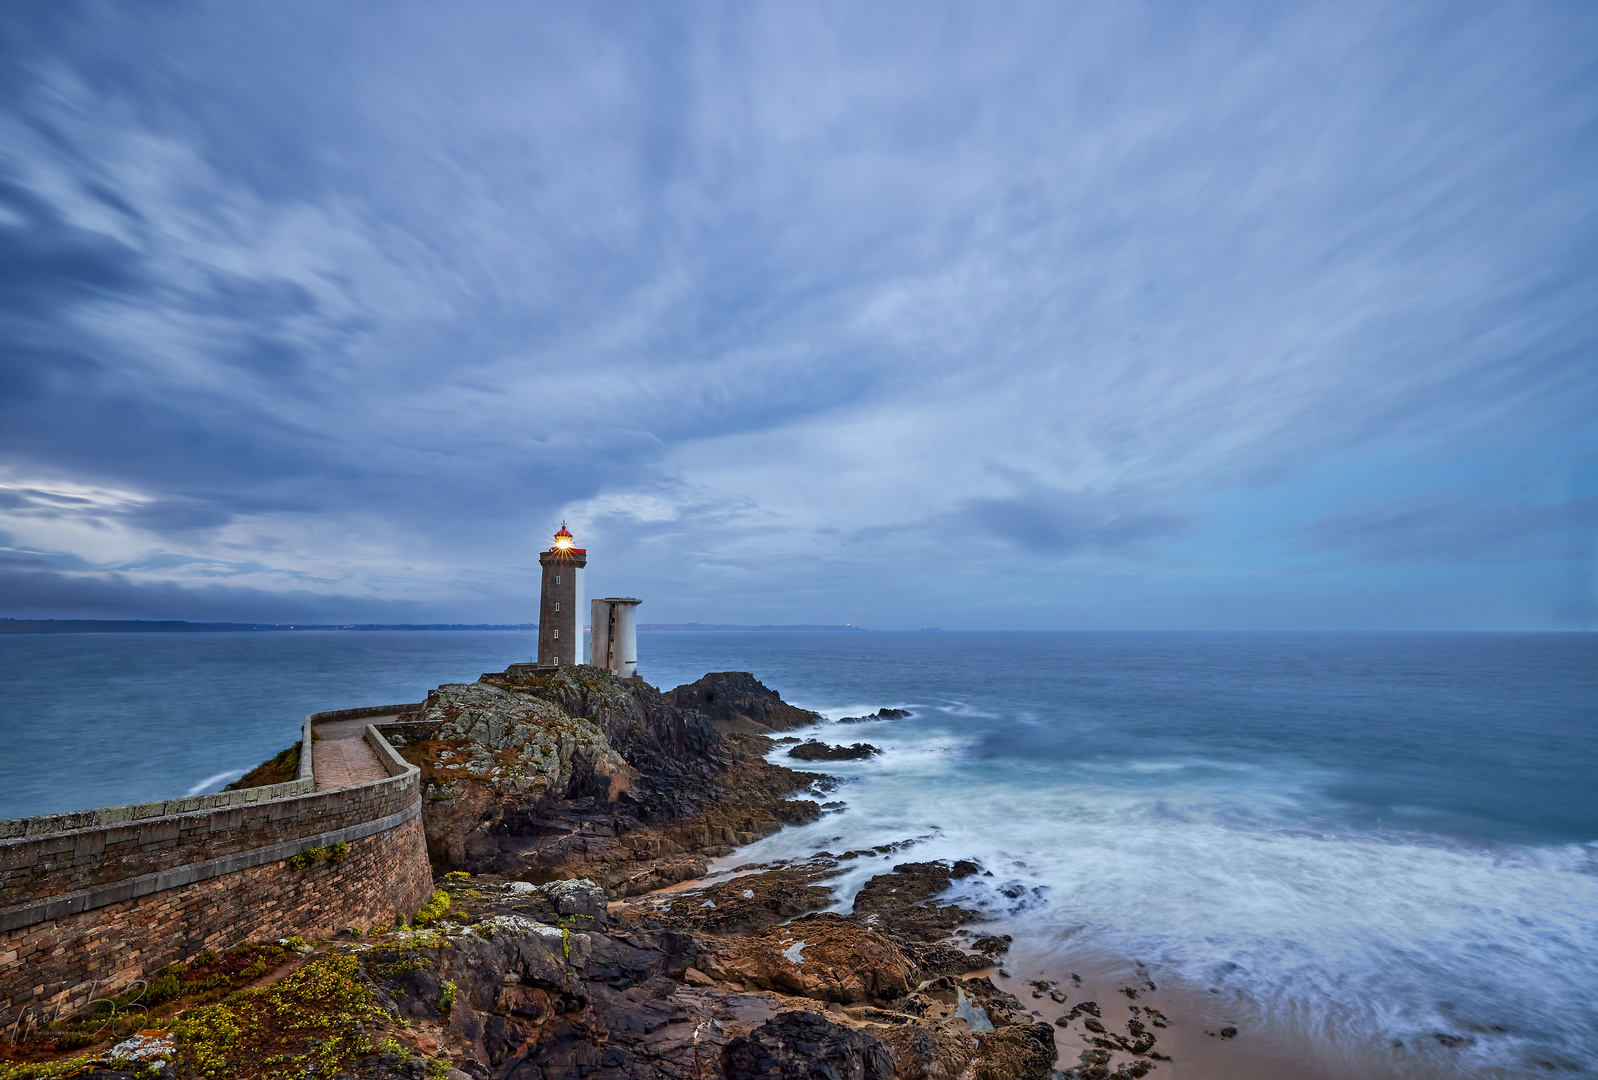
<point x="826" y="957"/>
<point x="576" y="772"/>
<point x="824" y="995"/>
<point x="880" y="714"/>
<point x="906" y="899"/>
<point x="521" y="744"/>
<point x="816" y="750"/>
<point x="801" y="1046"/>
<point x="737" y="702"/>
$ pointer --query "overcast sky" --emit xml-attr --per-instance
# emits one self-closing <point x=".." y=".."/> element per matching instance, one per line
<point x="1067" y="315"/>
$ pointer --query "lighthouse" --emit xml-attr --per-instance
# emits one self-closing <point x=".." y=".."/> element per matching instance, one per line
<point x="559" y="629"/>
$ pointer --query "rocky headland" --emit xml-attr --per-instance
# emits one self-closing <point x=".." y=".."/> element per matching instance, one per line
<point x="571" y="817"/>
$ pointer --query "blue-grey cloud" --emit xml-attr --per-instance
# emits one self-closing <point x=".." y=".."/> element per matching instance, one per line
<point x="307" y="303"/>
<point x="34" y="589"/>
<point x="1432" y="530"/>
<point x="1062" y="523"/>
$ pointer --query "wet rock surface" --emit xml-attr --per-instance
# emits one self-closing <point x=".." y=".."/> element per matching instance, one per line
<point x="906" y="899"/>
<point x="827" y="957"/>
<point x="880" y="714"/>
<point x="816" y="750"/>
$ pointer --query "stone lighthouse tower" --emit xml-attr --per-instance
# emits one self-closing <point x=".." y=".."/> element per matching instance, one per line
<point x="560" y="629"/>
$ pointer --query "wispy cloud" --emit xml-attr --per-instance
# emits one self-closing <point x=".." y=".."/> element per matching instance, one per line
<point x="359" y="308"/>
<point x="1429" y="530"/>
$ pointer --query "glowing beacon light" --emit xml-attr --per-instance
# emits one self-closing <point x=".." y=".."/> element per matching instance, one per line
<point x="560" y="628"/>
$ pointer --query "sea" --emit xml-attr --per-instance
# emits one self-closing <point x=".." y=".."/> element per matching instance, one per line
<point x="1368" y="855"/>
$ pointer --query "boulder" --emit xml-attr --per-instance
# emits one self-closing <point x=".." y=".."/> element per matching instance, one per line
<point x="573" y="902"/>
<point x="803" y="1046"/>
<point x="928" y="1053"/>
<point x="578" y="896"/>
<point x="1016" y="1052"/>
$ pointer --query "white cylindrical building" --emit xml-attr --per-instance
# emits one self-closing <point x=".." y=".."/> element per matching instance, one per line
<point x="625" y="639"/>
<point x="613" y="641"/>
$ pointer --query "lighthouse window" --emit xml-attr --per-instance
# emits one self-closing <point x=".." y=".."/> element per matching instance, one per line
<point x="557" y="605"/>
<point x="557" y="633"/>
<point x="557" y="579"/>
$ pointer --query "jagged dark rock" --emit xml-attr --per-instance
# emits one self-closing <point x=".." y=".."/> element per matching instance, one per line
<point x="815" y="750"/>
<point x="804" y="1046"/>
<point x="993" y="947"/>
<point x="880" y="714"/>
<point x="1020" y="1051"/>
<point x="903" y="900"/>
<point x="736" y="701"/>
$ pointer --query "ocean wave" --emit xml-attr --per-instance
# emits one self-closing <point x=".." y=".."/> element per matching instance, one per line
<point x="215" y="783"/>
<point x="1325" y="933"/>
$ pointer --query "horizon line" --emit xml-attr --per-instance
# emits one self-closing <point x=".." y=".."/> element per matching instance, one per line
<point x="66" y="626"/>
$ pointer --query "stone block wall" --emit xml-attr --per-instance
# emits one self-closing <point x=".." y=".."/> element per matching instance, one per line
<point x="87" y="912"/>
<point x="53" y="824"/>
<point x="75" y="866"/>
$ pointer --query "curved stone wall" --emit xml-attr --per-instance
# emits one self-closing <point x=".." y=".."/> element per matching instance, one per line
<point x="91" y="902"/>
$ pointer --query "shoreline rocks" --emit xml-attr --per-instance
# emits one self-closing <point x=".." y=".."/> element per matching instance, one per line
<point x="880" y="714"/>
<point x="528" y="796"/>
<point x="567" y="806"/>
<point x="816" y="750"/>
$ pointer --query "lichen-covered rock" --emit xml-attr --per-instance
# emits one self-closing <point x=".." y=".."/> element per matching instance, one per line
<point x="521" y="743"/>
<point x="639" y="721"/>
<point x="577" y="897"/>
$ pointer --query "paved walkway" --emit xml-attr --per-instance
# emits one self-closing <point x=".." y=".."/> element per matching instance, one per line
<point x="341" y="757"/>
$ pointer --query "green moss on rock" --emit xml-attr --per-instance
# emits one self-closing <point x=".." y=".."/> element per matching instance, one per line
<point x="280" y="769"/>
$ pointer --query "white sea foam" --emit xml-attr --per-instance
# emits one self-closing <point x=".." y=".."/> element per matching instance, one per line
<point x="215" y="783"/>
<point x="1244" y="881"/>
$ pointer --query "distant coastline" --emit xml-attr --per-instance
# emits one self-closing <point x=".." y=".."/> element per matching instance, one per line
<point x="174" y="626"/>
<point x="736" y="626"/>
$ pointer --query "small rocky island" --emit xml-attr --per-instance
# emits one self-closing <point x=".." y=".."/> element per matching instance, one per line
<point x="571" y="816"/>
